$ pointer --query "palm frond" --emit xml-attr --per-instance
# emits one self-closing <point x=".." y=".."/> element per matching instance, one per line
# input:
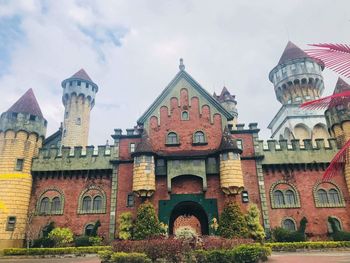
<point x="334" y="56"/>
<point x="327" y="102"/>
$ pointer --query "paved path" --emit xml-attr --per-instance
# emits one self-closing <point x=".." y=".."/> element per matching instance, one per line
<point x="311" y="257"/>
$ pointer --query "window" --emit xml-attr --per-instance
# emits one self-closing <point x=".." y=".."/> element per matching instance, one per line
<point x="78" y="122"/>
<point x="66" y="114"/>
<point x="212" y="160"/>
<point x="132" y="147"/>
<point x="97" y="204"/>
<point x="32" y="117"/>
<point x="70" y="83"/>
<point x="337" y="225"/>
<point x="79" y="83"/>
<point x="322" y="196"/>
<point x="130" y="200"/>
<point x="290" y="197"/>
<point x="19" y="164"/>
<point x="86" y="85"/>
<point x="14" y="115"/>
<point x="184" y="115"/>
<point x="148" y="159"/>
<point x="88" y="229"/>
<point x="239" y="144"/>
<point x="11" y="223"/>
<point x="298" y="99"/>
<point x="56" y="205"/>
<point x="86" y="203"/>
<point x="44" y="205"/>
<point x="278" y="198"/>
<point x="334" y="196"/>
<point x="199" y="137"/>
<point x="138" y="159"/>
<point x="160" y="162"/>
<point x="172" y="138"/>
<point x="224" y="156"/>
<point x="289" y="224"/>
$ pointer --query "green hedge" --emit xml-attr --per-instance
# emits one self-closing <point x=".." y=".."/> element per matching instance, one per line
<point x="292" y="246"/>
<point x="54" y="251"/>
<point x="122" y="257"/>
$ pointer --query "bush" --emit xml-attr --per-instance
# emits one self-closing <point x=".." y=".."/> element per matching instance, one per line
<point x="95" y="229"/>
<point x="283" y="235"/>
<point x="232" y="222"/>
<point x="185" y="233"/>
<point x="53" y="251"/>
<point x="255" y="229"/>
<point x="337" y="234"/>
<point x="82" y="241"/>
<point x="215" y="242"/>
<point x="125" y="223"/>
<point x="61" y="236"/>
<point x="146" y="224"/>
<point x="48" y="228"/>
<point x="293" y="246"/>
<point x="44" y="242"/>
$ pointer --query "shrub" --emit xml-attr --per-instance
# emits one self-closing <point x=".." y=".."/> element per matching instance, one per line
<point x="44" y="242"/>
<point x="215" y="242"/>
<point x="283" y="235"/>
<point x="125" y="223"/>
<point x="54" y="251"/>
<point x="255" y="229"/>
<point x="48" y="228"/>
<point x="95" y="241"/>
<point x="185" y="233"/>
<point x="232" y="222"/>
<point x="121" y="257"/>
<point x="82" y="241"/>
<point x="293" y="246"/>
<point x="146" y="224"/>
<point x="337" y="234"/>
<point x="61" y="236"/>
<point x="95" y="229"/>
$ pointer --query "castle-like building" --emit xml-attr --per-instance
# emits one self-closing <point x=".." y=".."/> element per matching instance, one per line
<point x="188" y="154"/>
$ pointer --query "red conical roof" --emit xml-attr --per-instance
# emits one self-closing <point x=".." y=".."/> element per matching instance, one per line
<point x="341" y="86"/>
<point x="81" y="74"/>
<point x="27" y="104"/>
<point x="292" y="52"/>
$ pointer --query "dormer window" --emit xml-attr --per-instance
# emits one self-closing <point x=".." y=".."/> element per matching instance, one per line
<point x="185" y="116"/>
<point x="172" y="139"/>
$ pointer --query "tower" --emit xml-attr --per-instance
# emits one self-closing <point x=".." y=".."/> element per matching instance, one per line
<point x="297" y="78"/>
<point x="338" y="122"/>
<point x="231" y="176"/>
<point x="78" y="99"/>
<point x="22" y="130"/>
<point x="229" y="102"/>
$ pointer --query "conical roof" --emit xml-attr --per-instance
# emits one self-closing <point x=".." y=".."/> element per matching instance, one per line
<point x="341" y="86"/>
<point x="81" y="74"/>
<point x="145" y="146"/>
<point x="228" y="143"/>
<point x="292" y="52"/>
<point x="27" y="104"/>
<point x="225" y="95"/>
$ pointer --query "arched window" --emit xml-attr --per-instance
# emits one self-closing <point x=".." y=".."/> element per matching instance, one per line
<point x="56" y="205"/>
<point x="322" y="196"/>
<point x="86" y="203"/>
<point x="97" y="204"/>
<point x="290" y="197"/>
<point x="334" y="196"/>
<point x="199" y="137"/>
<point x="45" y="205"/>
<point x="184" y="115"/>
<point x="172" y="138"/>
<point x="278" y="198"/>
<point x="289" y="224"/>
<point x="88" y="229"/>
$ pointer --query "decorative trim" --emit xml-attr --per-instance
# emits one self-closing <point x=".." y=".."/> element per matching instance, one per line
<point x="84" y="194"/>
<point x="329" y="204"/>
<point x="42" y="196"/>
<point x="292" y="188"/>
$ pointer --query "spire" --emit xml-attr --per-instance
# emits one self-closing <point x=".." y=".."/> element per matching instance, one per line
<point x="181" y="66"/>
<point x="225" y="95"/>
<point x="341" y="86"/>
<point x="292" y="52"/>
<point x="145" y="146"/>
<point x="27" y="104"/>
<point x="228" y="143"/>
<point x="81" y="74"/>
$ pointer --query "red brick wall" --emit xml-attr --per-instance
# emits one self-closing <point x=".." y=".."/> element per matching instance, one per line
<point x="71" y="188"/>
<point x="188" y="221"/>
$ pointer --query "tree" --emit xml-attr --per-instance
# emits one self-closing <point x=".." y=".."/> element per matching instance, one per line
<point x="147" y="224"/>
<point x="232" y="222"/>
<point x="255" y="229"/>
<point x="125" y="223"/>
<point x="95" y="229"/>
<point x="61" y="236"/>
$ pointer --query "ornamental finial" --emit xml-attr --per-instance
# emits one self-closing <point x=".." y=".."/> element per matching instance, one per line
<point x="181" y="66"/>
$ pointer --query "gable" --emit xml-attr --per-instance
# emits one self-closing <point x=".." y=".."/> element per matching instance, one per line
<point x="184" y="81"/>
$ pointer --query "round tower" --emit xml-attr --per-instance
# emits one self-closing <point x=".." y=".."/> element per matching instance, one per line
<point x="22" y="130"/>
<point x="229" y="102"/>
<point x="78" y="98"/>
<point x="297" y="77"/>
<point x="338" y="122"/>
<point x="231" y="176"/>
<point x="144" y="180"/>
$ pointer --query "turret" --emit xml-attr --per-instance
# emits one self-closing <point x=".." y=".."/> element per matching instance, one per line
<point x="231" y="176"/>
<point x="229" y="102"/>
<point x="22" y="130"/>
<point x="297" y="77"/>
<point x="78" y="98"/>
<point x="144" y="182"/>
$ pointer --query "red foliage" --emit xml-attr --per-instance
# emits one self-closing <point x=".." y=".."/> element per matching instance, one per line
<point x="214" y="242"/>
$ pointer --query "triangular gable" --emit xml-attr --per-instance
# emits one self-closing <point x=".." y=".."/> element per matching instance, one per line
<point x="182" y="74"/>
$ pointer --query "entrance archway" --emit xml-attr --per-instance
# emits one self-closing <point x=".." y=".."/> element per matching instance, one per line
<point x="189" y="209"/>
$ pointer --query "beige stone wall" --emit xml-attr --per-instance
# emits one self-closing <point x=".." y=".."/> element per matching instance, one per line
<point x="294" y="91"/>
<point x="144" y="180"/>
<point x="15" y="186"/>
<point x="231" y="176"/>
<point x="75" y="134"/>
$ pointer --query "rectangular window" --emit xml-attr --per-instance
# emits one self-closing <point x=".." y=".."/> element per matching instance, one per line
<point x="224" y="156"/>
<point x="130" y="200"/>
<point x="79" y="83"/>
<point x="86" y="85"/>
<point x="32" y="117"/>
<point x="132" y="147"/>
<point x="19" y="164"/>
<point x="11" y="223"/>
<point x="240" y="144"/>
<point x="148" y="159"/>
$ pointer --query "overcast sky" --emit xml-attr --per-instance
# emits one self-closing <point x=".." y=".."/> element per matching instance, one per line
<point x="131" y="49"/>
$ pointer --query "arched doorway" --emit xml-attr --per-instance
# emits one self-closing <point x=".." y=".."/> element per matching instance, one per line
<point x="188" y="209"/>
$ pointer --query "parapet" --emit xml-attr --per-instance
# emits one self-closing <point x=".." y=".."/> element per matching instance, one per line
<point x="77" y="158"/>
<point x="253" y="128"/>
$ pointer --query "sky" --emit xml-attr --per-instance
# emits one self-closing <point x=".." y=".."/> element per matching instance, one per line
<point x="131" y="50"/>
